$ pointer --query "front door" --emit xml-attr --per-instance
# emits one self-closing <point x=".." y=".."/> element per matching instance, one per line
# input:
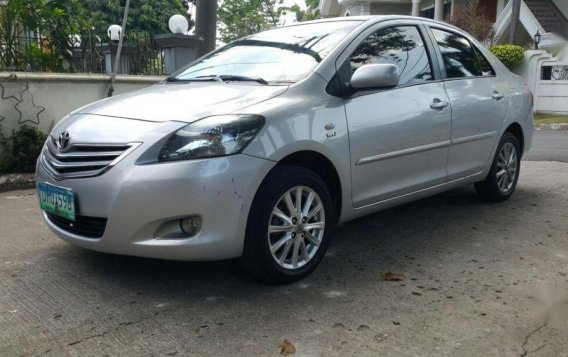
<point x="398" y="137"/>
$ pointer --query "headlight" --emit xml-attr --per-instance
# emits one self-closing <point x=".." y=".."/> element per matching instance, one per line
<point x="218" y="135"/>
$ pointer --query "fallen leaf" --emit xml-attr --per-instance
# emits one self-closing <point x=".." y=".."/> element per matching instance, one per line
<point x="339" y="325"/>
<point x="394" y="277"/>
<point x="287" y="348"/>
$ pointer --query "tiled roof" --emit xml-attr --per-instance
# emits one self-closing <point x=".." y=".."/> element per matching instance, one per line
<point x="549" y="16"/>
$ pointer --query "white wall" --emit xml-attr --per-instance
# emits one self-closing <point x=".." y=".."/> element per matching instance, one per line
<point x="40" y="100"/>
<point x="359" y="9"/>
<point x="426" y="4"/>
<point x="390" y="9"/>
<point x="552" y="97"/>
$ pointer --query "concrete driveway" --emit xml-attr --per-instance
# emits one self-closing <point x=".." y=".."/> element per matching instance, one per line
<point x="549" y="145"/>
<point x="481" y="280"/>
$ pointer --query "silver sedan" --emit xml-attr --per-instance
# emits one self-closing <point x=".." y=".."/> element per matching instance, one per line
<point x="258" y="149"/>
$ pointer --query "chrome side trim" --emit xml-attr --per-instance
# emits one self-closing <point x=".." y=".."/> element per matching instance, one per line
<point x="393" y="154"/>
<point x="414" y="150"/>
<point x="467" y="139"/>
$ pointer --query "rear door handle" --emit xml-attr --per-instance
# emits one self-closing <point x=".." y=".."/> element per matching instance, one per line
<point x="438" y="104"/>
<point x="497" y="96"/>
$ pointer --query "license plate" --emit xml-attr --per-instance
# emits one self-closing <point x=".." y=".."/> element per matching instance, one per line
<point x="57" y="200"/>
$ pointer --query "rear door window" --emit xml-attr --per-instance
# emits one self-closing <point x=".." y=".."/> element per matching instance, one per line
<point x="458" y="55"/>
<point x="484" y="65"/>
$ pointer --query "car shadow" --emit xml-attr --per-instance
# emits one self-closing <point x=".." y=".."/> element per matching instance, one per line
<point x="369" y="246"/>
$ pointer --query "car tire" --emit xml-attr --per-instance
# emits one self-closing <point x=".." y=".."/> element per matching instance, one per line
<point x="504" y="174"/>
<point x="283" y="245"/>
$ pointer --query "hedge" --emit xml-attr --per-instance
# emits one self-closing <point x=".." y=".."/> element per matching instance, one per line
<point x="19" y="152"/>
<point x="511" y="55"/>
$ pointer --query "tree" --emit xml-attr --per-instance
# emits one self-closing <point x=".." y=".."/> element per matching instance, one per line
<point x="312" y="11"/>
<point x="239" y="18"/>
<point x="46" y="25"/>
<point x="53" y="29"/>
<point x="145" y="16"/>
<point x="471" y="18"/>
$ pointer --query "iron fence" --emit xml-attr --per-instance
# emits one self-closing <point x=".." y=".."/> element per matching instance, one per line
<point x="554" y="73"/>
<point x="140" y="55"/>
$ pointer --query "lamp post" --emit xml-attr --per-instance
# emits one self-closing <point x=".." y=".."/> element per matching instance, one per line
<point x="206" y="25"/>
<point x="119" y="51"/>
<point x="537" y="38"/>
<point x="114" y="32"/>
<point x="178" y="47"/>
<point x="178" y="24"/>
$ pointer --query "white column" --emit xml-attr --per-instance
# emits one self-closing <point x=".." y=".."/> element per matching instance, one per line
<point x="366" y="8"/>
<point x="439" y="10"/>
<point x="416" y="7"/>
<point x="500" y="6"/>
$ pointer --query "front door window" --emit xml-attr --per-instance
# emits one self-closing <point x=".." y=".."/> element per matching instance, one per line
<point x="402" y="46"/>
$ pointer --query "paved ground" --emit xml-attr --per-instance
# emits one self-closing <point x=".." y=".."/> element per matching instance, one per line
<point x="549" y="145"/>
<point x="482" y="280"/>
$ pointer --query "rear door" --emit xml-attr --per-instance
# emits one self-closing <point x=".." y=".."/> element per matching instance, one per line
<point x="477" y="100"/>
<point x="398" y="137"/>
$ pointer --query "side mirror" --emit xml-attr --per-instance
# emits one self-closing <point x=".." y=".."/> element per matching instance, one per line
<point x="379" y="75"/>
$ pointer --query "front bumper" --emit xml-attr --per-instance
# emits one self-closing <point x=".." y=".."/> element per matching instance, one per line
<point x="138" y="199"/>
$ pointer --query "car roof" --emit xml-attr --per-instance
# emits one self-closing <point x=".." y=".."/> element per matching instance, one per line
<point x="370" y="19"/>
<point x="327" y="69"/>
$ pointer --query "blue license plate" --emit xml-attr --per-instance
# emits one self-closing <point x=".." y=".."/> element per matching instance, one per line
<point x="57" y="200"/>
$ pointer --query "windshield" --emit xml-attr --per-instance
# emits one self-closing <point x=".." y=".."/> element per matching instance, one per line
<point x="284" y="55"/>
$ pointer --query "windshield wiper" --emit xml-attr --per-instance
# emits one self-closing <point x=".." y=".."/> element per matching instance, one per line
<point x="216" y="78"/>
<point x="195" y="79"/>
<point x="230" y="77"/>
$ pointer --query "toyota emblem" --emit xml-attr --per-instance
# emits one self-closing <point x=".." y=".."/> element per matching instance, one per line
<point x="63" y="141"/>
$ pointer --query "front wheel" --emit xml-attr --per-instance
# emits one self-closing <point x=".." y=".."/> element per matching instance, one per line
<point x="502" y="178"/>
<point x="288" y="230"/>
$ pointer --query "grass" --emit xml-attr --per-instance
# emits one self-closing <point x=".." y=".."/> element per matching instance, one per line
<point x="550" y="119"/>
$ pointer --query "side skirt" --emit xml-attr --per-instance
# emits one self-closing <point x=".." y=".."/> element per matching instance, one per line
<point x="412" y="196"/>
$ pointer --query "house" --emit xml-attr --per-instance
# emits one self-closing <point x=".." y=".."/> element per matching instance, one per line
<point x="546" y="16"/>
<point x="545" y="70"/>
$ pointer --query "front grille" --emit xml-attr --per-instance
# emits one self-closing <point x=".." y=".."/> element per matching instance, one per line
<point x="90" y="227"/>
<point x="82" y="160"/>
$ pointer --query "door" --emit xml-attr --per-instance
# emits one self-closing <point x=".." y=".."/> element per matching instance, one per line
<point x="477" y="100"/>
<point x="398" y="137"/>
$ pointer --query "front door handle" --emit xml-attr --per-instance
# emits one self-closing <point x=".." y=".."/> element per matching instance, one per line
<point x="438" y="104"/>
<point x="497" y="96"/>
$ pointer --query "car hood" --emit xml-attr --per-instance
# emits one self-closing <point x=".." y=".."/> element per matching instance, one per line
<point x="184" y="102"/>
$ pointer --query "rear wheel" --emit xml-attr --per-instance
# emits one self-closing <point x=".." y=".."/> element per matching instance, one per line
<point x="288" y="230"/>
<point x="502" y="178"/>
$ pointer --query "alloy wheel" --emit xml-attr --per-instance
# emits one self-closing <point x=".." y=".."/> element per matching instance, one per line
<point x="296" y="227"/>
<point x="506" y="167"/>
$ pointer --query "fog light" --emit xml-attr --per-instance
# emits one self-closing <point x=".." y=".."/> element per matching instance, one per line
<point x="179" y="228"/>
<point x="188" y="226"/>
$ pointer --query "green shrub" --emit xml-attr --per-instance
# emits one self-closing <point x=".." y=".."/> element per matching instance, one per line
<point x="511" y="55"/>
<point x="19" y="152"/>
<point x="41" y="59"/>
